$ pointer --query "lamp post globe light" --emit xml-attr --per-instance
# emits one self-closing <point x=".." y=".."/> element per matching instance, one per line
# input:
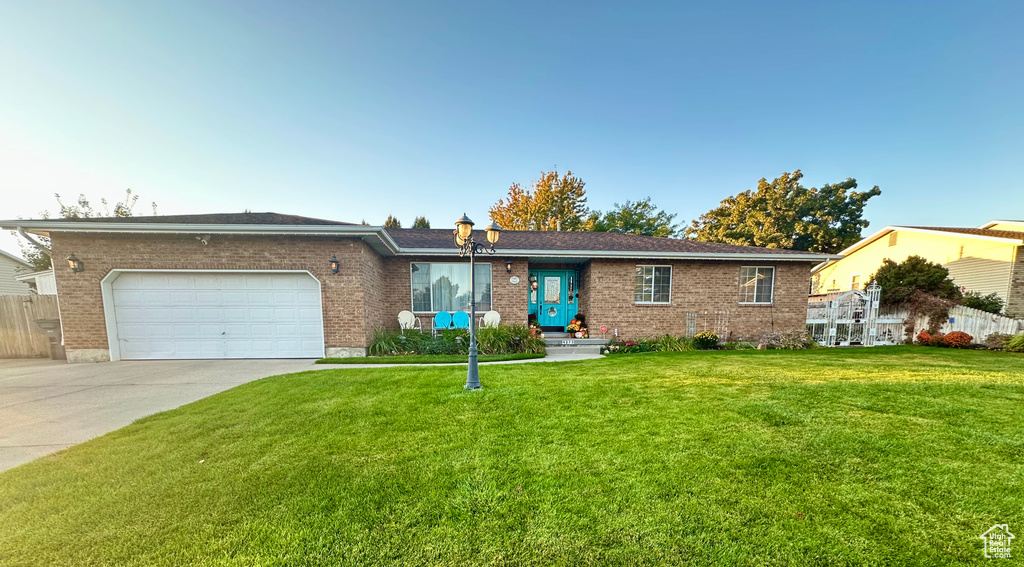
<point x="470" y="247"/>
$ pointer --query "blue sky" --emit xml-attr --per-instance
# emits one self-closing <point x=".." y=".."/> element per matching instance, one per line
<point x="353" y="111"/>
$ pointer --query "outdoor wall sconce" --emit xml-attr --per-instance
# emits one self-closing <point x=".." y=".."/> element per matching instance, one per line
<point x="508" y="265"/>
<point x="75" y="264"/>
<point x="533" y="282"/>
<point x="334" y="264"/>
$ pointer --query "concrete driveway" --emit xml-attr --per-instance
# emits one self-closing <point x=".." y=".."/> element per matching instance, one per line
<point x="46" y="406"/>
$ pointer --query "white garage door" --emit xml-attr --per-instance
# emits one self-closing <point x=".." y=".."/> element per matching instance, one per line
<point x="217" y="315"/>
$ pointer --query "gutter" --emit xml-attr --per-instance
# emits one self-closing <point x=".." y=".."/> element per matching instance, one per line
<point x="628" y="254"/>
<point x="32" y="241"/>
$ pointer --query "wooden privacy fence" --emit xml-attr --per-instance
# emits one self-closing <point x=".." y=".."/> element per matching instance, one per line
<point x="20" y="337"/>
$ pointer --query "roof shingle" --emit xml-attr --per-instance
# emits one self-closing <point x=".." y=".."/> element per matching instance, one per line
<point x="411" y="238"/>
<point x="214" y="218"/>
<point x="975" y="231"/>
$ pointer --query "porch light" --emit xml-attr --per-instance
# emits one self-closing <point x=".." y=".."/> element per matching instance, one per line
<point x="533" y="282"/>
<point x="493" y="232"/>
<point x="508" y="265"/>
<point x="334" y="264"/>
<point x="463" y="228"/>
<point x="75" y="264"/>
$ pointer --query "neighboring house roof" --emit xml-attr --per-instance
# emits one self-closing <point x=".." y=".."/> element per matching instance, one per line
<point x="10" y="256"/>
<point x="995" y="222"/>
<point x="392" y="242"/>
<point x="1011" y="234"/>
<point x="33" y="275"/>
<point x="1007" y="236"/>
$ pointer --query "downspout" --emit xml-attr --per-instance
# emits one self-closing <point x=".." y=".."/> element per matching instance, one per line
<point x="33" y="241"/>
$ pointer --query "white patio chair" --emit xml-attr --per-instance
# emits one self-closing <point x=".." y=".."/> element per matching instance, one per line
<point x="490" y="319"/>
<point x="406" y="320"/>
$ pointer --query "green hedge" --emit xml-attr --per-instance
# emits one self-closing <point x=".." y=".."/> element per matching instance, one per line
<point x="503" y="339"/>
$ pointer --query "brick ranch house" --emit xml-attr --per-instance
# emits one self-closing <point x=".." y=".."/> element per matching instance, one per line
<point x="261" y="285"/>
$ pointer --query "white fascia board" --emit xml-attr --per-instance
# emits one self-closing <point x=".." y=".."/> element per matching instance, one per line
<point x="625" y="254"/>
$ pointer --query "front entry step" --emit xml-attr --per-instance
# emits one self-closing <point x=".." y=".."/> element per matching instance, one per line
<point x="567" y="345"/>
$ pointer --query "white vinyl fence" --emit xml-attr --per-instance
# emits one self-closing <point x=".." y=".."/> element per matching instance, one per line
<point x="853" y="318"/>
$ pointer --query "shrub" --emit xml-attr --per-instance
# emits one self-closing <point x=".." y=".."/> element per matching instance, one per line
<point x="1016" y="344"/>
<point x="794" y="340"/>
<point x="924" y="338"/>
<point x="997" y="341"/>
<point x="771" y="340"/>
<point x="384" y="342"/>
<point x="669" y="343"/>
<point x="508" y="339"/>
<point x="991" y="303"/>
<point x="503" y="339"/>
<point x="957" y="339"/>
<point x="705" y="340"/>
<point x="738" y="345"/>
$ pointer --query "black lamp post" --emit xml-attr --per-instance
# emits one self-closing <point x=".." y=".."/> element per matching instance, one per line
<point x="469" y="247"/>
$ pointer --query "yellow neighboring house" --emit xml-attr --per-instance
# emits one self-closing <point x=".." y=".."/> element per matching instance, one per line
<point x="987" y="259"/>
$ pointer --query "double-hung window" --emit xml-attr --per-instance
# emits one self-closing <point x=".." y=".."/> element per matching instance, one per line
<point x="653" y="284"/>
<point x="757" y="284"/>
<point x="445" y="287"/>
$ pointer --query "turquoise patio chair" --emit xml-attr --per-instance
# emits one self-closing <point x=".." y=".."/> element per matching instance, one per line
<point x="442" y="321"/>
<point x="460" y="320"/>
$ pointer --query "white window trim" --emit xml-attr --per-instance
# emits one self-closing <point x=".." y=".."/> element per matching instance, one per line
<point x="412" y="303"/>
<point x="670" y="277"/>
<point x="860" y="284"/>
<point x="771" y="300"/>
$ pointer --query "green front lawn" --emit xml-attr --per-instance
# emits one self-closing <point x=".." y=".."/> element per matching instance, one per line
<point x="893" y="455"/>
<point x="428" y="358"/>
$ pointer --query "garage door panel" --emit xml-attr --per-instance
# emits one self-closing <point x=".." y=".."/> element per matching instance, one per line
<point x="308" y="299"/>
<point x="229" y="297"/>
<point x="205" y="314"/>
<point x="183" y="314"/>
<point x="209" y="297"/>
<point x="217" y="315"/>
<point x="206" y="331"/>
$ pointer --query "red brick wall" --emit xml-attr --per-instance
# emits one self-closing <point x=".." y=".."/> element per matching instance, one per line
<point x="507" y="299"/>
<point x="351" y="298"/>
<point x="701" y="287"/>
<point x="369" y="291"/>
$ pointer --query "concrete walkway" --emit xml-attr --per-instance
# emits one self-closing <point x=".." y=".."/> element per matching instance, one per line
<point x="46" y="406"/>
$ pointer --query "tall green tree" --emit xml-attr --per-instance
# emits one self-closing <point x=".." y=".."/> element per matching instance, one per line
<point x="555" y="202"/>
<point x="81" y="208"/>
<point x="782" y="213"/>
<point x="924" y="288"/>
<point x="991" y="302"/>
<point x="900" y="282"/>
<point x="639" y="217"/>
<point x="392" y="222"/>
<point x="420" y="222"/>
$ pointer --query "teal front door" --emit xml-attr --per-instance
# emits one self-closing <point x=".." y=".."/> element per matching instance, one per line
<point x="554" y="301"/>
